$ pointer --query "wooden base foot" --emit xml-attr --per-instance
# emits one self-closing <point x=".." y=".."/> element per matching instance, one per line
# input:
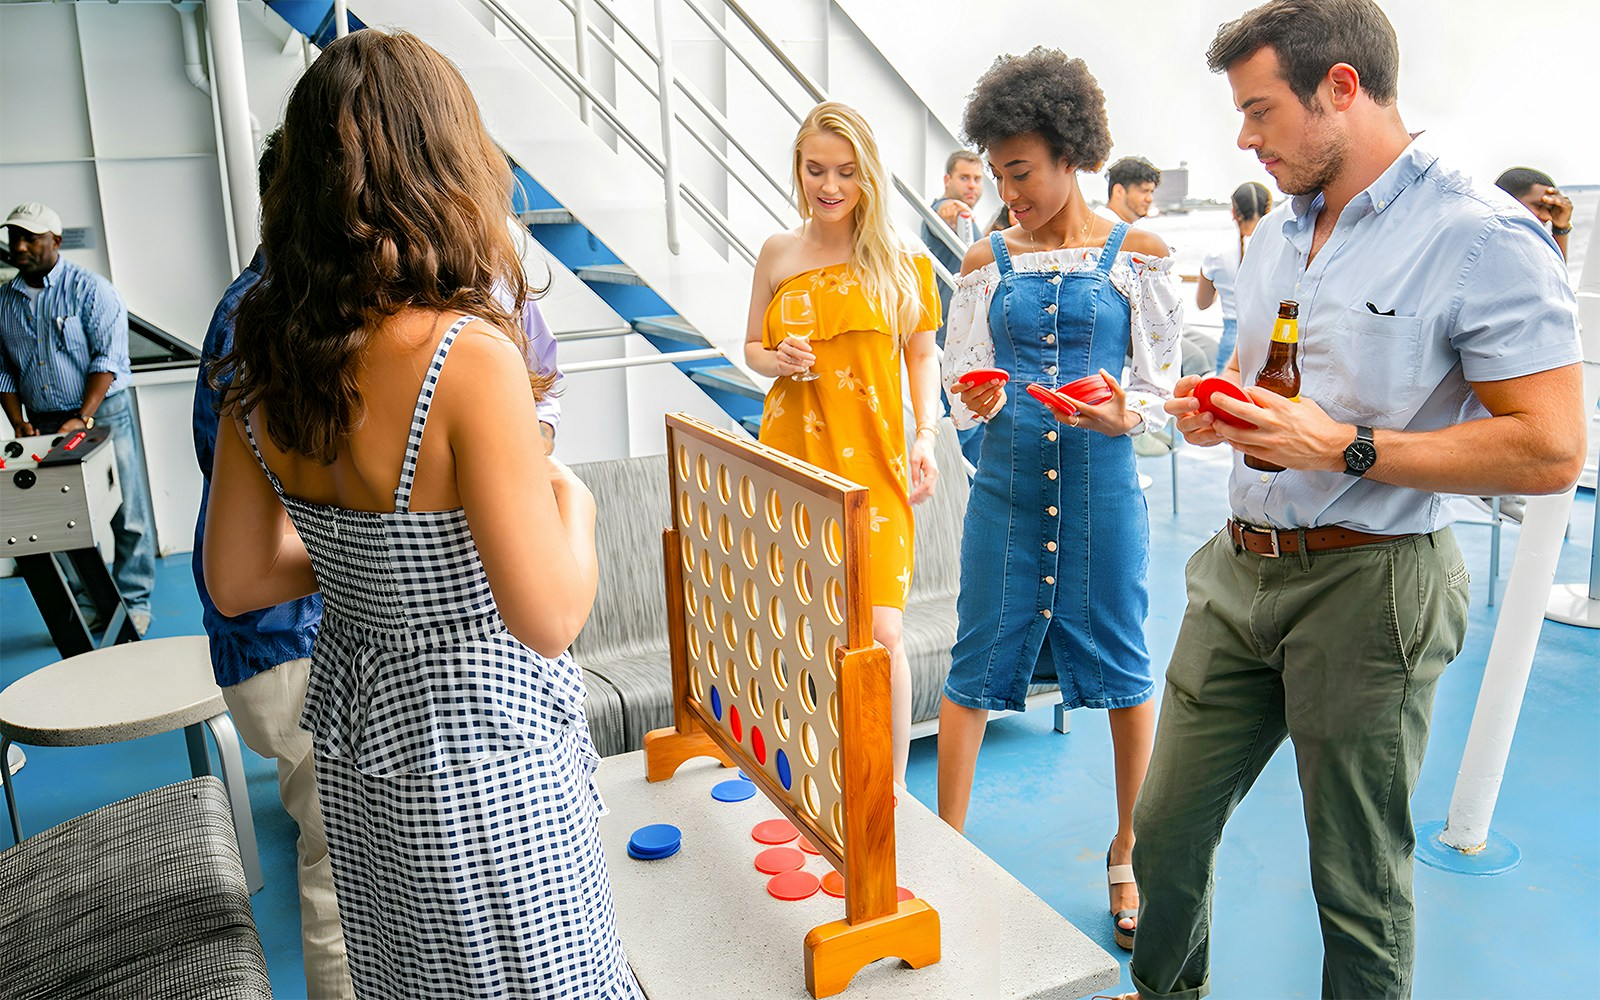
<point x="836" y="951"/>
<point x="665" y="750"/>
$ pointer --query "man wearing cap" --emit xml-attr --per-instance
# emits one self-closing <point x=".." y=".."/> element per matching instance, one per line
<point x="64" y="356"/>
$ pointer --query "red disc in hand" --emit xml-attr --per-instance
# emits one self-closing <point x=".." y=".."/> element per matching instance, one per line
<point x="1052" y="399"/>
<point x="1209" y="386"/>
<point x="980" y="375"/>
<point x="1091" y="389"/>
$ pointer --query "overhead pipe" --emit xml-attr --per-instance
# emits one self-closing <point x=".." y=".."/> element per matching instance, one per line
<point x="194" y="67"/>
<point x="233" y="104"/>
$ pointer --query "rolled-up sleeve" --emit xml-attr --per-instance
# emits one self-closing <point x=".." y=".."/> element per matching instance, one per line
<point x="968" y="342"/>
<point x="1515" y="312"/>
<point x="1157" y="347"/>
<point x="105" y="324"/>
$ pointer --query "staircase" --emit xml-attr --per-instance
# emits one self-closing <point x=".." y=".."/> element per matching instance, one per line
<point x="653" y="185"/>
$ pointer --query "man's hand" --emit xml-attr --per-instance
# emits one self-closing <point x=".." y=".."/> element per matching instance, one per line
<point x="24" y="429"/>
<point x="1296" y="434"/>
<point x="983" y="399"/>
<point x="952" y="209"/>
<point x="1197" y="427"/>
<point x="1560" y="208"/>
<point x="71" y="424"/>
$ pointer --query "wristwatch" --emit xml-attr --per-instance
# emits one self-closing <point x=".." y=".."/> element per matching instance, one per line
<point x="88" y="421"/>
<point x="1556" y="230"/>
<point x="1360" y="454"/>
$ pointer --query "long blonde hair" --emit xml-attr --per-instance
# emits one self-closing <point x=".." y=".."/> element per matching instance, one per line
<point x="878" y="256"/>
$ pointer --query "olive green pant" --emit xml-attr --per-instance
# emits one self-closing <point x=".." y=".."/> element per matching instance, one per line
<point x="1340" y="652"/>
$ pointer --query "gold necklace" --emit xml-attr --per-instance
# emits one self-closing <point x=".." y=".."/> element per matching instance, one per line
<point x="1083" y="236"/>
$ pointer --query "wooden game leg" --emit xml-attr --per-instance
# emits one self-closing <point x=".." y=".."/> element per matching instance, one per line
<point x="836" y="951"/>
<point x="665" y="750"/>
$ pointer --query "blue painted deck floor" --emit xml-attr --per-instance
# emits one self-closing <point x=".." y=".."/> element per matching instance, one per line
<point x="1043" y="804"/>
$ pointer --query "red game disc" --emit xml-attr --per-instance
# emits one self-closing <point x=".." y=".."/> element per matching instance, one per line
<point x="833" y="885"/>
<point x="1091" y="389"/>
<point x="1207" y="386"/>
<point x="776" y="860"/>
<point x="901" y="894"/>
<point x="806" y="845"/>
<point x="978" y="375"/>
<point x="793" y="886"/>
<point x="1052" y="399"/>
<point x="774" y="831"/>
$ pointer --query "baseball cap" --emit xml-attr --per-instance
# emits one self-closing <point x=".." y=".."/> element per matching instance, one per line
<point x="36" y="217"/>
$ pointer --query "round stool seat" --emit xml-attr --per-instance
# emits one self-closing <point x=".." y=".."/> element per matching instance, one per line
<point x="114" y="694"/>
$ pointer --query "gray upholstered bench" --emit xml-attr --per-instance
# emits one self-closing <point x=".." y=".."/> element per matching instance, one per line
<point x="623" y="649"/>
<point x="142" y="898"/>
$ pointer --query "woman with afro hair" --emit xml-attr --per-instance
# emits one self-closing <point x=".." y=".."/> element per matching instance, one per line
<point x="1059" y="295"/>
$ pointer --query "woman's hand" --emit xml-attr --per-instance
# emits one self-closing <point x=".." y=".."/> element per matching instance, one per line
<point x="794" y="356"/>
<point x="1111" y="418"/>
<point x="983" y="399"/>
<point x="924" y="470"/>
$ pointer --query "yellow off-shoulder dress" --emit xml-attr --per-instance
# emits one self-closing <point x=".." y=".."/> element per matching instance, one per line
<point x="850" y="421"/>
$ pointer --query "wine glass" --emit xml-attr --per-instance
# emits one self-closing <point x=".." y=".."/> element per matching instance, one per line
<point x="799" y="318"/>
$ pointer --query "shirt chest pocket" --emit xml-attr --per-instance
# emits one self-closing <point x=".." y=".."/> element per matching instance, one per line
<point x="1372" y="367"/>
<point x="70" y="338"/>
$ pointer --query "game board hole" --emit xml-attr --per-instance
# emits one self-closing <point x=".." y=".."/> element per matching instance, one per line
<point x="780" y="719"/>
<point x="723" y="491"/>
<point x="702" y="474"/>
<point x="752" y="649"/>
<point x="703" y="521"/>
<point x="780" y="669"/>
<point x="833" y="600"/>
<point x="833" y="541"/>
<point x="808" y="692"/>
<point x="774" y="511"/>
<point x="725" y="534"/>
<point x="775" y="564"/>
<point x="800" y="522"/>
<point x="809" y="745"/>
<point x="802" y="635"/>
<point x="802" y="581"/>
<point x="777" y="618"/>
<point x="758" y="698"/>
<point x="810" y="797"/>
<point x="747" y="548"/>
<point x="838" y="821"/>
<point x="752" y="600"/>
<point x="833" y="770"/>
<point x="747" y="496"/>
<point x="727" y="583"/>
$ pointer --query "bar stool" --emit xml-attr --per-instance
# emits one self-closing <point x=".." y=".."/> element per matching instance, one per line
<point x="123" y="693"/>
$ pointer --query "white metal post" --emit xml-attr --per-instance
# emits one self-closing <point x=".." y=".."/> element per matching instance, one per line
<point x="669" y="167"/>
<point x="1579" y="603"/>
<point x="341" y="19"/>
<point x="233" y="104"/>
<point x="580" y="53"/>
<point x="1464" y="843"/>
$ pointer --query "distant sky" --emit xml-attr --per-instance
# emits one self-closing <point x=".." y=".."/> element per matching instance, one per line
<point x="1495" y="84"/>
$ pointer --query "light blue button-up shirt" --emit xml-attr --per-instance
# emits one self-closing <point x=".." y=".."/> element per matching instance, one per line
<point x="1428" y="282"/>
<point x="50" y="345"/>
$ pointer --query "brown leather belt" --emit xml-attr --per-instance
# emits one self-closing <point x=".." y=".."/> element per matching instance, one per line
<point x="1274" y="542"/>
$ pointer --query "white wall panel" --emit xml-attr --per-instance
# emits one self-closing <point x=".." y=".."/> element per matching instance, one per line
<point x="169" y="249"/>
<point x="136" y="68"/>
<point x="69" y="188"/>
<point x="41" y="86"/>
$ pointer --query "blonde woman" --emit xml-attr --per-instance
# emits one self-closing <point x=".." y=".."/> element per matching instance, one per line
<point x="872" y="305"/>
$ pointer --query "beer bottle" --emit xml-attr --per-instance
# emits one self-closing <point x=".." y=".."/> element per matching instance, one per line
<point x="1281" y="371"/>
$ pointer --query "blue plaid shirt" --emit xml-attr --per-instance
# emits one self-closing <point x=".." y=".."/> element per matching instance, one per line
<point x="77" y="326"/>
<point x="244" y="646"/>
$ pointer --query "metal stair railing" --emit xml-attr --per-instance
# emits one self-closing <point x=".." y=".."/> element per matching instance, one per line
<point x="663" y="90"/>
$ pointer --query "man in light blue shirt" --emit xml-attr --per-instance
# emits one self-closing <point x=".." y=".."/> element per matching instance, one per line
<point x="64" y="353"/>
<point x="1438" y="354"/>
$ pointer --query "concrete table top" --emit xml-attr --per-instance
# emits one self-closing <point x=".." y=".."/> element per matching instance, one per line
<point x="114" y="694"/>
<point x="701" y="925"/>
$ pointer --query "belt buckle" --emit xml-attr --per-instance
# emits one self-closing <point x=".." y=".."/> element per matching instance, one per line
<point x="1276" y="552"/>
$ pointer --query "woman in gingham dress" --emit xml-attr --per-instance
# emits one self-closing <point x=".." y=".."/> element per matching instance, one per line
<point x="387" y="453"/>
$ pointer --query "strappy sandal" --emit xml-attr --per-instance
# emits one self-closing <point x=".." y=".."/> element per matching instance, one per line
<point x="1118" y="875"/>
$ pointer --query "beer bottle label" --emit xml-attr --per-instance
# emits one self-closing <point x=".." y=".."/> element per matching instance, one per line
<point x="1286" y="331"/>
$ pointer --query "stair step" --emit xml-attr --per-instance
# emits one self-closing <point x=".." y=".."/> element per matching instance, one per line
<point x="751" y="424"/>
<point x="611" y="274"/>
<point x="546" y="217"/>
<point x="674" y="328"/>
<point x="598" y="333"/>
<point x="727" y="378"/>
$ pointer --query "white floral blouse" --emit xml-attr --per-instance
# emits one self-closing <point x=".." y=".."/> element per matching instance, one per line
<point x="1156" y="320"/>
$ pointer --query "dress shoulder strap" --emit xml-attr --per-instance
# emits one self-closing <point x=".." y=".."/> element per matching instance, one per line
<point x="1108" y="256"/>
<point x="419" y="415"/>
<point x="250" y="434"/>
<point x="1002" y="256"/>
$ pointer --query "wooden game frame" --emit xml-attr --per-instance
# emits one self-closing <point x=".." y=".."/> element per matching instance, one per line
<point x="853" y="829"/>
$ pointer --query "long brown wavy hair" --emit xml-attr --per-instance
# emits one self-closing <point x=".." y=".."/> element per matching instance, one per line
<point x="388" y="194"/>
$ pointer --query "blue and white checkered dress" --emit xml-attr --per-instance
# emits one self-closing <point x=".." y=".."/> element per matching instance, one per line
<point x="454" y="766"/>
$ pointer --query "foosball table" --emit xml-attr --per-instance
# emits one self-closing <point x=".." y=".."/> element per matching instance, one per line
<point x="58" y="493"/>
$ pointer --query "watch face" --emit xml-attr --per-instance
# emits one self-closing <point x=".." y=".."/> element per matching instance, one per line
<point x="1360" y="456"/>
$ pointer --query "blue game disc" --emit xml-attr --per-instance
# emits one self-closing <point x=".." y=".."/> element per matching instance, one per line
<point x="655" y="838"/>
<point x="784" y="774"/>
<point x="637" y="856"/>
<point x="733" y="790"/>
<point x="743" y="776"/>
<point x="716" y="703"/>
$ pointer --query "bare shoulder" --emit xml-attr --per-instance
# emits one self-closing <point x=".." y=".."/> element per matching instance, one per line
<point x="486" y="355"/>
<point x="979" y="254"/>
<point x="1145" y="242"/>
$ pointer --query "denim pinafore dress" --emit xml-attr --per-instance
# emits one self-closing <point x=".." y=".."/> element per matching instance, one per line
<point x="1056" y="543"/>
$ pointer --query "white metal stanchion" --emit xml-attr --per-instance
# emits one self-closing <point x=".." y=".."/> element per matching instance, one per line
<point x="1579" y="603"/>
<point x="1463" y="842"/>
